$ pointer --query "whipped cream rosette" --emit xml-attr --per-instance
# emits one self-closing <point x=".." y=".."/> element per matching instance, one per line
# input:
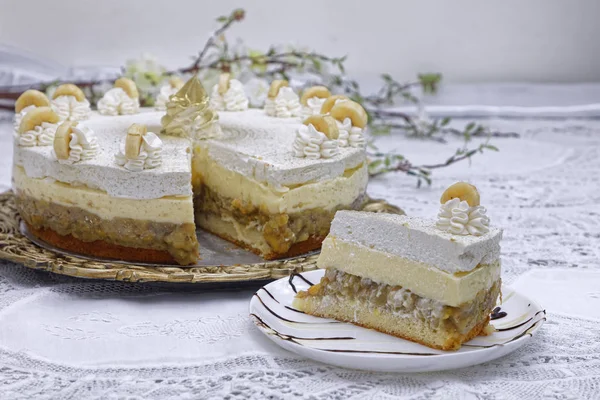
<point x="282" y="101"/>
<point x="460" y="213"/>
<point x="29" y="100"/>
<point x="74" y="142"/>
<point x="313" y="98"/>
<point x="122" y="99"/>
<point x="352" y="120"/>
<point x="317" y="138"/>
<point x="141" y="150"/>
<point x="228" y="95"/>
<point x="69" y="102"/>
<point x="37" y="127"/>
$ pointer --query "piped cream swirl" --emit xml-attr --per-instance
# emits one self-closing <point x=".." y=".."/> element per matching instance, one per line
<point x="69" y="108"/>
<point x="351" y="136"/>
<point x="149" y="157"/>
<point x="41" y="135"/>
<point x="458" y="218"/>
<point x="82" y="146"/>
<point x="311" y="143"/>
<point x="313" y="106"/>
<point x="234" y="99"/>
<point x="117" y="102"/>
<point x="285" y="105"/>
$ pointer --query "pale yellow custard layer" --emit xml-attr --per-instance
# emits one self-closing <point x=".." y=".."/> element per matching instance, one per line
<point x="327" y="195"/>
<point x="167" y="209"/>
<point x="421" y="279"/>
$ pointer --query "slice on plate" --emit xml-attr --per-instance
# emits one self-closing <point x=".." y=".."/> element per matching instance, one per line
<point x="431" y="282"/>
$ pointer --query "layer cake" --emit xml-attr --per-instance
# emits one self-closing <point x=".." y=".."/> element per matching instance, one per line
<point x="133" y="183"/>
<point x="413" y="278"/>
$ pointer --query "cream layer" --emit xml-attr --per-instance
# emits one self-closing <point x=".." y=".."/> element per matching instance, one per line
<point x="327" y="195"/>
<point x="176" y="210"/>
<point x="421" y="279"/>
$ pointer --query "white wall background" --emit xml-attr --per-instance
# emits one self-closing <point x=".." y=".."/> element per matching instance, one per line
<point x="466" y="40"/>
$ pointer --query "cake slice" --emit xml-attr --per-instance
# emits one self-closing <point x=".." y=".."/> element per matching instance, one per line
<point x="431" y="282"/>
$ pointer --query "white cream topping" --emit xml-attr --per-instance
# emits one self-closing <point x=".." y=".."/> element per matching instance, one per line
<point x="83" y="145"/>
<point x="350" y="135"/>
<point x="417" y="240"/>
<point x="117" y="102"/>
<point x="172" y="178"/>
<point x="166" y="91"/>
<point x="69" y="109"/>
<point x="458" y="218"/>
<point x="247" y="148"/>
<point x="234" y="99"/>
<point x="313" y="106"/>
<point x="259" y="147"/>
<point x="285" y="105"/>
<point x="41" y="135"/>
<point x="19" y="116"/>
<point x="311" y="143"/>
<point x="149" y="157"/>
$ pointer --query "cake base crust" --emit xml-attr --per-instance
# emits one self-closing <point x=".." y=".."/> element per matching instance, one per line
<point x="101" y="249"/>
<point x="297" y="249"/>
<point x="401" y="327"/>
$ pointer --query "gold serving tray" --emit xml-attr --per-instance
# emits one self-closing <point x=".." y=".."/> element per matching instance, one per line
<point x="16" y="246"/>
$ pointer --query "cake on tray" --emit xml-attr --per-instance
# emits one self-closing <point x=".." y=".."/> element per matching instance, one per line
<point x="432" y="282"/>
<point x="133" y="183"/>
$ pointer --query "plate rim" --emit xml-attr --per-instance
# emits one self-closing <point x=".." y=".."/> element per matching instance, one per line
<point x="508" y="347"/>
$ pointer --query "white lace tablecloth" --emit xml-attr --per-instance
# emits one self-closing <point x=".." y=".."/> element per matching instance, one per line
<point x="67" y="338"/>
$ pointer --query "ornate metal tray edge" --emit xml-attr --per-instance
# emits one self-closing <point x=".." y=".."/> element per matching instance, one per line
<point x="17" y="248"/>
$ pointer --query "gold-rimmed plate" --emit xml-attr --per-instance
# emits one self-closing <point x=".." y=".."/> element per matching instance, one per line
<point x="222" y="262"/>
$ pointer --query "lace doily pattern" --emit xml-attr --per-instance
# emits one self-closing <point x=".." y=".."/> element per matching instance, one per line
<point x="542" y="189"/>
<point x="550" y="367"/>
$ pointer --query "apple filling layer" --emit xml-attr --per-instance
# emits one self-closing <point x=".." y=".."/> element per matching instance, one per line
<point x="179" y="240"/>
<point x="380" y="299"/>
<point x="279" y="231"/>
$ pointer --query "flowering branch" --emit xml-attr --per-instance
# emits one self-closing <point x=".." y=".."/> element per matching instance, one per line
<point x="217" y="55"/>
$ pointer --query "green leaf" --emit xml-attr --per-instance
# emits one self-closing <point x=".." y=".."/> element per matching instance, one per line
<point x="491" y="147"/>
<point x="469" y="127"/>
<point x="445" y="121"/>
<point x="222" y="19"/>
<point x="380" y="130"/>
<point x="374" y="164"/>
<point x="317" y="64"/>
<point x="387" y="78"/>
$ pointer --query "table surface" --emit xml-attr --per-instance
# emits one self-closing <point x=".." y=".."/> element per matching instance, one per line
<point x="67" y="338"/>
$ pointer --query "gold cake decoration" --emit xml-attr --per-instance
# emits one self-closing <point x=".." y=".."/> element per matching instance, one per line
<point x="188" y="112"/>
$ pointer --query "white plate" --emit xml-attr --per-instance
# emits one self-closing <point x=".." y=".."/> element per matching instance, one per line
<point x="350" y="346"/>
